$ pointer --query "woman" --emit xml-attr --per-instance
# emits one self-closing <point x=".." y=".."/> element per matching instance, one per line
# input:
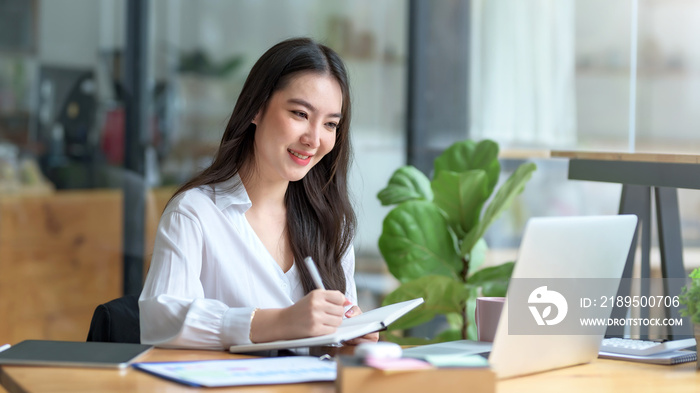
<point x="227" y="264"/>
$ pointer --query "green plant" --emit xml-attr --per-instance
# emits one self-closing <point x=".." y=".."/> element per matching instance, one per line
<point x="690" y="297"/>
<point x="432" y="241"/>
<point x="199" y="62"/>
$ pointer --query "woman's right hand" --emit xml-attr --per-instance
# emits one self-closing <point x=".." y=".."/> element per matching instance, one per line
<point x="319" y="312"/>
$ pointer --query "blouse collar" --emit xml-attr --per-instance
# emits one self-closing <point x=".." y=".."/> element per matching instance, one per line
<point x="231" y="192"/>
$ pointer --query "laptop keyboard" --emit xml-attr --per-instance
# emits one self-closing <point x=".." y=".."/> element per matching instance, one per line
<point x="628" y="346"/>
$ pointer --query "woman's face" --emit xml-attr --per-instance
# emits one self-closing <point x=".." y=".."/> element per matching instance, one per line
<point x="298" y="127"/>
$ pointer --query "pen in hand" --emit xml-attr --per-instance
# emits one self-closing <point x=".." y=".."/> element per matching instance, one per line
<point x="315" y="275"/>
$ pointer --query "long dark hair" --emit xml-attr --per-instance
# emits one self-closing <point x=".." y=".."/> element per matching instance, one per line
<point x="320" y="218"/>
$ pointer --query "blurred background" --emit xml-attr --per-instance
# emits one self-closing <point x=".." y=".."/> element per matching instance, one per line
<point x="107" y="105"/>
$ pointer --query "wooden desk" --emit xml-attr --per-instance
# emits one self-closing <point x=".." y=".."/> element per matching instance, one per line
<point x="603" y="376"/>
<point x="55" y="379"/>
<point x="600" y="376"/>
<point x="641" y="174"/>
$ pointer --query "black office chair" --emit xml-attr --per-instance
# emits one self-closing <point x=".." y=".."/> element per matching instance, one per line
<point x="116" y="321"/>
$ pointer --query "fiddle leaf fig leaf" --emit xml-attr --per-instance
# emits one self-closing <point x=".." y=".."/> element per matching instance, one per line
<point x="436" y="232"/>
<point x="454" y="320"/>
<point x="449" y="335"/>
<point x="392" y="337"/>
<point x="477" y="255"/>
<point x="461" y="196"/>
<point x="442" y="295"/>
<point x="467" y="155"/>
<point x="493" y="280"/>
<point x="406" y="184"/>
<point x="500" y="202"/>
<point x="471" y="315"/>
<point x="415" y="242"/>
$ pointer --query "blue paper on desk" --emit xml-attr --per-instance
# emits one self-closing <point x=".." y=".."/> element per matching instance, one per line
<point x="240" y="372"/>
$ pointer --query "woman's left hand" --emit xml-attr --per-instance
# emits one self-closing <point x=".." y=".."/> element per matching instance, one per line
<point x="367" y="338"/>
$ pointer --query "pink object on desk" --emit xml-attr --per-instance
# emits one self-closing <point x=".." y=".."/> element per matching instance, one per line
<point x="488" y="312"/>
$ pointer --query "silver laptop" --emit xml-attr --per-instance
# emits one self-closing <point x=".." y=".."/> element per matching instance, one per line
<point x="576" y="253"/>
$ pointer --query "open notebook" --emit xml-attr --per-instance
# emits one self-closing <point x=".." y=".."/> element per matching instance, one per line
<point x="371" y="321"/>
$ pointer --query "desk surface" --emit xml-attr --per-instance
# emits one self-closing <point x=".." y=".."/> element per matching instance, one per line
<point x="600" y="376"/>
<point x="636" y="157"/>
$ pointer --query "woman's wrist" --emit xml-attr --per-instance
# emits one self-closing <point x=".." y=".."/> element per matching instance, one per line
<point x="252" y="317"/>
<point x="265" y="325"/>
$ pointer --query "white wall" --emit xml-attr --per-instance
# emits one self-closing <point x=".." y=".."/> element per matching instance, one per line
<point x="668" y="84"/>
<point x="68" y="32"/>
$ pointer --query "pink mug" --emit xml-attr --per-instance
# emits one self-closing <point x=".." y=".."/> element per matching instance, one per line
<point x="488" y="312"/>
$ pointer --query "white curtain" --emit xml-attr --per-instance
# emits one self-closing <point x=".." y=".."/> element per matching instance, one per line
<point x="522" y="89"/>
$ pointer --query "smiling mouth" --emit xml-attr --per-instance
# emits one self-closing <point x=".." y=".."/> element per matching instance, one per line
<point x="303" y="157"/>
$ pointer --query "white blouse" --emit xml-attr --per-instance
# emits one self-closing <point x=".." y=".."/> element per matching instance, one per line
<point x="209" y="271"/>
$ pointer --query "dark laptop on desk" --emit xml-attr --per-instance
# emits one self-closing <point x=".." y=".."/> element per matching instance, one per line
<point x="72" y="354"/>
<point x="566" y="255"/>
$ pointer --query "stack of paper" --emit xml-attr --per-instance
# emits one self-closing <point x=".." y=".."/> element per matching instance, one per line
<point x="673" y="357"/>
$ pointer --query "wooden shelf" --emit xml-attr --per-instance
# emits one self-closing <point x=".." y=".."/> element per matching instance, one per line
<point x="631" y="157"/>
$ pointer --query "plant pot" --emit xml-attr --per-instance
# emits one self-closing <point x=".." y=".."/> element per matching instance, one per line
<point x="696" y="332"/>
